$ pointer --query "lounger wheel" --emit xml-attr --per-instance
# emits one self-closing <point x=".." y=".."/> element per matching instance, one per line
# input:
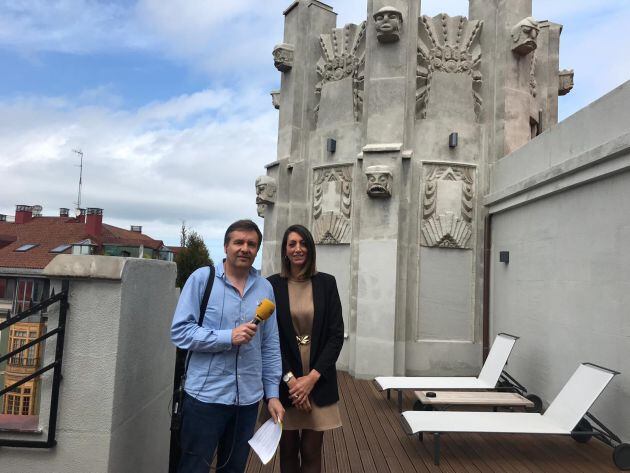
<point x="537" y="407"/>
<point x="579" y="432"/>
<point x="621" y="456"/>
<point x="418" y="406"/>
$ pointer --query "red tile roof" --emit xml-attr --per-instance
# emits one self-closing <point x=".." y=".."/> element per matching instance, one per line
<point x="50" y="232"/>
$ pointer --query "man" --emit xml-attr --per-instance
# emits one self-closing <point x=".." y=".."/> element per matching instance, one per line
<point x="232" y="363"/>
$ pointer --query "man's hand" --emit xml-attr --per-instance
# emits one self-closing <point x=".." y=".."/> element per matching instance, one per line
<point x="243" y="333"/>
<point x="276" y="410"/>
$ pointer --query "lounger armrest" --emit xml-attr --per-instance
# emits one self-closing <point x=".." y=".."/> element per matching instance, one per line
<point x="405" y="425"/>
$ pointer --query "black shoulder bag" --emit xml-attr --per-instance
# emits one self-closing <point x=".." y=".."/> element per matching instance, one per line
<point x="182" y="360"/>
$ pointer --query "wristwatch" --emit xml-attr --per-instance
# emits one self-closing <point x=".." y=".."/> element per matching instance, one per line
<point x="287" y="377"/>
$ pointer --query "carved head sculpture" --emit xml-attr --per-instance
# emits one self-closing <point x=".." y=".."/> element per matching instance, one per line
<point x="265" y="190"/>
<point x="379" y="181"/>
<point x="524" y="35"/>
<point x="565" y="81"/>
<point x="283" y="57"/>
<point x="265" y="193"/>
<point x="388" y="21"/>
<point x="275" y="99"/>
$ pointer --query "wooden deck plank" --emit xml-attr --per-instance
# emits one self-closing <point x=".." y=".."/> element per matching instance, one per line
<point x="391" y="431"/>
<point x="352" y="433"/>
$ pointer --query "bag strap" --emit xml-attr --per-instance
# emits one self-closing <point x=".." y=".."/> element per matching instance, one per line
<point x="206" y="295"/>
<point x="202" y="313"/>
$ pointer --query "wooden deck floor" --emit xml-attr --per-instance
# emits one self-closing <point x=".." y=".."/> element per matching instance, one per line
<point x="372" y="440"/>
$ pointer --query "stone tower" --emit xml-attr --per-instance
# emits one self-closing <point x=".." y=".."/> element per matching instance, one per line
<point x="388" y="131"/>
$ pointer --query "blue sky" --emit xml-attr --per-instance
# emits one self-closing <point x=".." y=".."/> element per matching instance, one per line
<point x="170" y="101"/>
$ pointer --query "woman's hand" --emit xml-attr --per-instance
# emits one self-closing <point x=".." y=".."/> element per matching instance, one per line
<point x="301" y="388"/>
<point x="305" y="405"/>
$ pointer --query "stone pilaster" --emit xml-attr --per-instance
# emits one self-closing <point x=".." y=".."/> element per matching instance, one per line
<point x="387" y="77"/>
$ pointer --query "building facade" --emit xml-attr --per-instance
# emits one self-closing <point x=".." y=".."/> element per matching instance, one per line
<point x="388" y="132"/>
<point x="27" y="244"/>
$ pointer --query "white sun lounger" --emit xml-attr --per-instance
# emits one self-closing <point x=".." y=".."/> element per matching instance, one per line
<point x="487" y="379"/>
<point x="562" y="416"/>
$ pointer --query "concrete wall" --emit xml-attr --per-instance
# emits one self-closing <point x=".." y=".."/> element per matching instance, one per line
<point x="117" y="367"/>
<point x="561" y="207"/>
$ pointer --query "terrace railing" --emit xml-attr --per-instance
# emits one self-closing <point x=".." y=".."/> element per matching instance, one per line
<point x="55" y="365"/>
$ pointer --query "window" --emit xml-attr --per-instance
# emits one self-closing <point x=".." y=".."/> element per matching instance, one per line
<point x="19" y="401"/>
<point x="29" y="358"/>
<point x="26" y="247"/>
<point x="60" y="248"/>
<point x="84" y="247"/>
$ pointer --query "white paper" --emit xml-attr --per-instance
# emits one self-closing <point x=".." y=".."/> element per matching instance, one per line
<point x="265" y="441"/>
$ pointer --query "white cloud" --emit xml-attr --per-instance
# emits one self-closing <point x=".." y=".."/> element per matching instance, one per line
<point x="136" y="168"/>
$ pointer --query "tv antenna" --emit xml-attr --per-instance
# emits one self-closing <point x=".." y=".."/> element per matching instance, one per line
<point x="80" y="166"/>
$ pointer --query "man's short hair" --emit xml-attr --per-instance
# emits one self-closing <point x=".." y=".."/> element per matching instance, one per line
<point x="243" y="226"/>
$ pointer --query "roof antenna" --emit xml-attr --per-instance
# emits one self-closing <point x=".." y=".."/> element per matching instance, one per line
<point x="80" y="166"/>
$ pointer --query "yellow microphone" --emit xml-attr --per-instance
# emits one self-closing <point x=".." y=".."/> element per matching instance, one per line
<point x="264" y="309"/>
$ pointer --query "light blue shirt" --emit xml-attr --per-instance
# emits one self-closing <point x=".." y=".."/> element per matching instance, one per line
<point x="211" y="372"/>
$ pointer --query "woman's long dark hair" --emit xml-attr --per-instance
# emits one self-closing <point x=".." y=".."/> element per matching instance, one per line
<point x="309" y="268"/>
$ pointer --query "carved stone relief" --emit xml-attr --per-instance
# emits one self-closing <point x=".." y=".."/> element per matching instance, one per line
<point x="565" y="81"/>
<point x="275" y="99"/>
<point x="379" y="181"/>
<point x="447" y="44"/>
<point x="265" y="193"/>
<point x="388" y="21"/>
<point x="447" y="206"/>
<point x="332" y="204"/>
<point x="343" y="55"/>
<point x="283" y="57"/>
<point x="524" y="35"/>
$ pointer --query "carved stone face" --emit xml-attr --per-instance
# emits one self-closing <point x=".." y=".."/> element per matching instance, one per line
<point x="283" y="57"/>
<point x="265" y="190"/>
<point x="379" y="181"/>
<point x="275" y="99"/>
<point x="565" y="81"/>
<point x="388" y="21"/>
<point x="524" y="35"/>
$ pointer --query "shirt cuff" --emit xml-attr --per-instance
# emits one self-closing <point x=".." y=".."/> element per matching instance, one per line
<point x="224" y="339"/>
<point x="271" y="390"/>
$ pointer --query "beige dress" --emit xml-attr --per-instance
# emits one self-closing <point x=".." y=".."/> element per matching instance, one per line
<point x="319" y="418"/>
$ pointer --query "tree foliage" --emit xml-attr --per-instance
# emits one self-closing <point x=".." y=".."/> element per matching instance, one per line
<point x="192" y="256"/>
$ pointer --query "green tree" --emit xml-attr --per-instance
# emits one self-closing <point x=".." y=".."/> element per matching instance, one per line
<point x="192" y="256"/>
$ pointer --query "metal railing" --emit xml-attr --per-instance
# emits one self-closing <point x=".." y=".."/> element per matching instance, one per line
<point x="62" y="298"/>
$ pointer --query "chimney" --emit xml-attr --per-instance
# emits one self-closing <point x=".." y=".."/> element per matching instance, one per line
<point x="80" y="215"/>
<point x="64" y="212"/>
<point x="94" y="221"/>
<point x="136" y="228"/>
<point x="23" y="213"/>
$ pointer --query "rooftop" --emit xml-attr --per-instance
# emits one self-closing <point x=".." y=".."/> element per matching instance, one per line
<point x="372" y="440"/>
<point x="49" y="233"/>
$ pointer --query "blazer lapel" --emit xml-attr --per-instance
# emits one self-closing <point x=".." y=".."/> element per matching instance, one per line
<point x="285" y="322"/>
<point x="319" y="298"/>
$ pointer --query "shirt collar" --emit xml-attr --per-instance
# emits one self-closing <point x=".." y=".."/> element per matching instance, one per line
<point x="220" y="269"/>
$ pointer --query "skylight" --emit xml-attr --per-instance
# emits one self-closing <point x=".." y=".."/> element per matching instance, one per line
<point x="26" y="247"/>
<point x="60" y="248"/>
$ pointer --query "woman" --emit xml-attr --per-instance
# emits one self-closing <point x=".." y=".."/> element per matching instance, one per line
<point x="311" y="336"/>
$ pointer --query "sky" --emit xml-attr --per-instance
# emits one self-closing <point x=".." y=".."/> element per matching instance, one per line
<point x="169" y="101"/>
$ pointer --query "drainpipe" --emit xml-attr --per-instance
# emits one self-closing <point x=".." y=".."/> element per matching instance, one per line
<point x="487" y="248"/>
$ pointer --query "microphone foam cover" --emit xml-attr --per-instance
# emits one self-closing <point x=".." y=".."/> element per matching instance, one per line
<point x="264" y="309"/>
